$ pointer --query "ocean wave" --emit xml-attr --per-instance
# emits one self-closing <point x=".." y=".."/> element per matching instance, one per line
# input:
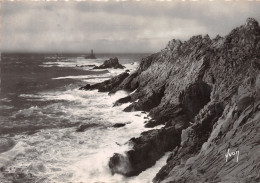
<point x="60" y="155"/>
<point x="85" y="64"/>
<point x="5" y="100"/>
<point x="26" y="112"/>
<point x="73" y="62"/>
<point x="6" y="107"/>
<point x="96" y="78"/>
<point x="8" y="156"/>
<point x="88" y="78"/>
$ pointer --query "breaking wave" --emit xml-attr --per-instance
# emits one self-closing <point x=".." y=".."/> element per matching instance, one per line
<point x="61" y="154"/>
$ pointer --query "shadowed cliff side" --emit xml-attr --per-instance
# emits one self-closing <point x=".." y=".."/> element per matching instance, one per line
<point x="208" y="91"/>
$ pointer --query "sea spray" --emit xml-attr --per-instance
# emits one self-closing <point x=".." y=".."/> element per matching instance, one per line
<point x="48" y="147"/>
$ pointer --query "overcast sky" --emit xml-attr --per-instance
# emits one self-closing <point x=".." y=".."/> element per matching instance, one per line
<point x="115" y="26"/>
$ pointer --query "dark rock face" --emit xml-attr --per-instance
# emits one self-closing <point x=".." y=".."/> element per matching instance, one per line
<point x="106" y="85"/>
<point x="148" y="148"/>
<point x="193" y="137"/>
<point x="190" y="101"/>
<point x="111" y="63"/>
<point x="127" y="84"/>
<point x="122" y="100"/>
<point x="207" y="93"/>
<point x="119" y="164"/>
<point x="233" y="131"/>
<point x="146" y="104"/>
<point x="229" y="121"/>
<point x="194" y="98"/>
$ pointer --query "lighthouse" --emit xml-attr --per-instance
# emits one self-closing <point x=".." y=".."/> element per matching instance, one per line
<point x="91" y="56"/>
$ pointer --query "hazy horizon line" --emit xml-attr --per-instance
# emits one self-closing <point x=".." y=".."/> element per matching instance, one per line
<point x="83" y="53"/>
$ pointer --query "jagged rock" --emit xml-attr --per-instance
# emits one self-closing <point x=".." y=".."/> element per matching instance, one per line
<point x="118" y="125"/>
<point x="201" y="157"/>
<point x="191" y="100"/>
<point x="106" y="85"/>
<point x="251" y="22"/>
<point x="147" y="148"/>
<point x="111" y="63"/>
<point x="127" y="84"/>
<point x="132" y="82"/>
<point x="122" y="100"/>
<point x="237" y="132"/>
<point x="146" y="104"/>
<point x="193" y="137"/>
<point x="119" y="164"/>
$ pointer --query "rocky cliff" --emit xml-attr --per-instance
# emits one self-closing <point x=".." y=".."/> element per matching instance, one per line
<point x="206" y="94"/>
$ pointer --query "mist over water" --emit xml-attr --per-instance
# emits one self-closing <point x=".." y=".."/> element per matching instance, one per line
<point x="41" y="108"/>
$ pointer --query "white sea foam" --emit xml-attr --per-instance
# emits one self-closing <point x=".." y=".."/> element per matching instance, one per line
<point x="89" y="78"/>
<point x="5" y="100"/>
<point x="73" y="62"/>
<point x="26" y="112"/>
<point x="64" y="155"/>
<point x="5" y="107"/>
<point x="8" y="156"/>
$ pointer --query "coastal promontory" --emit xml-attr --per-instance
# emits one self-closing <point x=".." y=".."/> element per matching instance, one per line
<point x="206" y="94"/>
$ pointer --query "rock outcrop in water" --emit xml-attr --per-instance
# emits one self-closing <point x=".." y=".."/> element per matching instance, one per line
<point x="107" y="85"/>
<point x="147" y="148"/>
<point x="207" y="92"/>
<point x="111" y="63"/>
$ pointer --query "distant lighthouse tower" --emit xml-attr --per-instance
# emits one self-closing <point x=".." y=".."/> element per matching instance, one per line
<point x="91" y="56"/>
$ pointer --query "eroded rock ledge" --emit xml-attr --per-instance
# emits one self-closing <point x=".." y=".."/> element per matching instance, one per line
<point x="206" y="92"/>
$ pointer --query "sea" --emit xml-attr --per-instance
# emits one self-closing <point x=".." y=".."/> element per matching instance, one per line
<point x="41" y="107"/>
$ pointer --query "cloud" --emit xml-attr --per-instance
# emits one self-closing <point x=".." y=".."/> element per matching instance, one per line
<point x="115" y="26"/>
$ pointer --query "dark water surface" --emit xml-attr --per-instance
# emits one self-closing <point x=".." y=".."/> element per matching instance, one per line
<point x="41" y="108"/>
<point x="23" y="74"/>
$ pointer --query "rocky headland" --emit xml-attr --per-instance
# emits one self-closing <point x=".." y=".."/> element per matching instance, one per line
<point x="206" y="94"/>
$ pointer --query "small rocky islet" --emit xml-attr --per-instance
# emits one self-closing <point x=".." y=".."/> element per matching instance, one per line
<point x="206" y="93"/>
<point x="111" y="63"/>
